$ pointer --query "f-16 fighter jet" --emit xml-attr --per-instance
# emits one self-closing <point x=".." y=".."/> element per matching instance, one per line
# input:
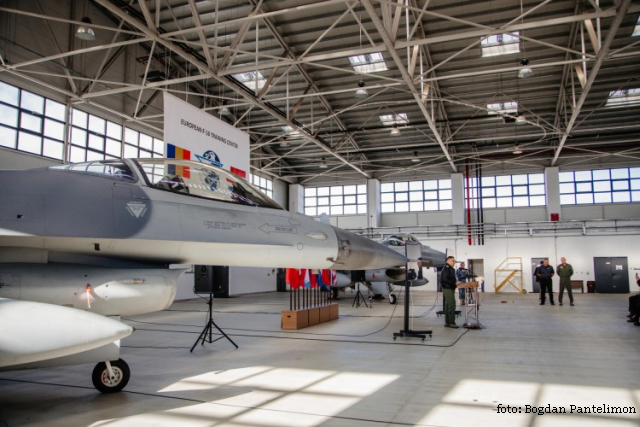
<point x="100" y="237"/>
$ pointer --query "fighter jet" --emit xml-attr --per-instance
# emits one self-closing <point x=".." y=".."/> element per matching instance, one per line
<point x="381" y="281"/>
<point x="101" y="236"/>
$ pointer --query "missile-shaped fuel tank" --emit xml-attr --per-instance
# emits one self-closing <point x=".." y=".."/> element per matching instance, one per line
<point x="35" y="331"/>
<point x="102" y="290"/>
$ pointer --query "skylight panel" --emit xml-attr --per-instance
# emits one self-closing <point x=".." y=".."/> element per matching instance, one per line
<point x="291" y="131"/>
<point x="501" y="44"/>
<point x="251" y="79"/>
<point x="624" y="97"/>
<point x="506" y="107"/>
<point x="368" y="63"/>
<point x="394" y="119"/>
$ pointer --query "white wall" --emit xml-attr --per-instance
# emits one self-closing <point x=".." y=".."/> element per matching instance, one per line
<point x="579" y="251"/>
<point x="350" y="221"/>
<point x="280" y="192"/>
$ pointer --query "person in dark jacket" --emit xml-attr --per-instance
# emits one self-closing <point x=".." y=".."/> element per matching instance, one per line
<point x="545" y="272"/>
<point x="634" y="306"/>
<point x="449" y="283"/>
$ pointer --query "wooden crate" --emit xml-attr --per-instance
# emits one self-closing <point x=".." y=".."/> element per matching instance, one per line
<point x="295" y="319"/>
<point x="314" y="316"/>
<point x="333" y="311"/>
<point x="325" y="313"/>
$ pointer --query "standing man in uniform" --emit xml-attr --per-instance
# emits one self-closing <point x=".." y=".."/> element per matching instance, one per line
<point x="449" y="283"/>
<point x="565" y="271"/>
<point x="545" y="273"/>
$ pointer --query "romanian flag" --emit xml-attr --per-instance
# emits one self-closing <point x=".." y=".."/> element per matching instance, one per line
<point x="174" y="152"/>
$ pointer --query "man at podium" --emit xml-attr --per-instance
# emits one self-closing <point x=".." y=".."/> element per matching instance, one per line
<point x="449" y="283"/>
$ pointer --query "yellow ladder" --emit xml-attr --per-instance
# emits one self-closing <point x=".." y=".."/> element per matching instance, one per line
<point x="507" y="271"/>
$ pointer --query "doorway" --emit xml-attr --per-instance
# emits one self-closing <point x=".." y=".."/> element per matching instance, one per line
<point x="476" y="269"/>
<point x="612" y="275"/>
<point x="535" y="263"/>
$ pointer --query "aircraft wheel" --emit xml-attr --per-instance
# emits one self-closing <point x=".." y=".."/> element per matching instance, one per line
<point x="392" y="299"/>
<point x="103" y="383"/>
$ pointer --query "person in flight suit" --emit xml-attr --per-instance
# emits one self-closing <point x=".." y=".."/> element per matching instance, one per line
<point x="565" y="271"/>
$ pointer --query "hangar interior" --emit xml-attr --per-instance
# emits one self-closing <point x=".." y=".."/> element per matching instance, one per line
<point x="498" y="130"/>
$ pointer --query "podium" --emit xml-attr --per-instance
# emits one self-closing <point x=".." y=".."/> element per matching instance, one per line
<point x="471" y="300"/>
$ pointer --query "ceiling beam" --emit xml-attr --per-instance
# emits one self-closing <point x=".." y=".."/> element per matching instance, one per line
<point x="152" y="35"/>
<point x="458" y="35"/>
<point x="417" y="95"/>
<point x="593" y="73"/>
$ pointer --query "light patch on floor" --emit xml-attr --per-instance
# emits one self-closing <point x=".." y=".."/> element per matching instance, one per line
<point x="496" y="403"/>
<point x="214" y="379"/>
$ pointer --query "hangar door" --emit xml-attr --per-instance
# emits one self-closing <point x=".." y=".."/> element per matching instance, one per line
<point x="612" y="276"/>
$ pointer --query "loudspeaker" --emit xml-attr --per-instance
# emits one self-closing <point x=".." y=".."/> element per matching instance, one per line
<point x="357" y="276"/>
<point x="211" y="279"/>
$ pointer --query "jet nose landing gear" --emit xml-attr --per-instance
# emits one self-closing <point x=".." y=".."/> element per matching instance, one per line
<point x="111" y="377"/>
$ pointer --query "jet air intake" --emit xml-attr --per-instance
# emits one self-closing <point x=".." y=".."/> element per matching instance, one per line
<point x="359" y="253"/>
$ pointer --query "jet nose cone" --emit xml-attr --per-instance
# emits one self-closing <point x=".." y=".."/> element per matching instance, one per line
<point x="359" y="253"/>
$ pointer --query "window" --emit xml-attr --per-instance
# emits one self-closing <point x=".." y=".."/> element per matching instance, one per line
<point x="623" y="97"/>
<point x="394" y="119"/>
<point x="368" y="63"/>
<point x="263" y="184"/>
<point x="338" y="200"/>
<point x="31" y="123"/>
<point x="508" y="191"/>
<point x="116" y="169"/>
<point x="138" y="144"/>
<point x="251" y="79"/>
<point x="621" y="185"/>
<point x="500" y="44"/>
<point x="416" y="196"/>
<point x="636" y="30"/>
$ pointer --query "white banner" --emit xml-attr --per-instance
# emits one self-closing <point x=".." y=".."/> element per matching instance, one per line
<point x="190" y="133"/>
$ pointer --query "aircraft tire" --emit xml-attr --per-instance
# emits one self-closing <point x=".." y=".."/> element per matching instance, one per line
<point x="392" y="299"/>
<point x="103" y="383"/>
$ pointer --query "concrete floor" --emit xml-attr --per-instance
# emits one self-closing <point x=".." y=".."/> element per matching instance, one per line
<point x="350" y="372"/>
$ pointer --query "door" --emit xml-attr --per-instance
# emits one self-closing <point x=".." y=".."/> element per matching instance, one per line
<point x="476" y="269"/>
<point x="535" y="263"/>
<point x="612" y="275"/>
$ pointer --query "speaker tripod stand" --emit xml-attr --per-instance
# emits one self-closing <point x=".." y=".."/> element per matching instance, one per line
<point x="359" y="297"/>
<point x="209" y="329"/>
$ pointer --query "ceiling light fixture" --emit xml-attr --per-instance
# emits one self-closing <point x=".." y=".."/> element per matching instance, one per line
<point x="525" y="71"/>
<point x="415" y="158"/>
<point x="517" y="150"/>
<point x="361" y="92"/>
<point x="395" y="130"/>
<point x="85" y="32"/>
<point x="323" y="165"/>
